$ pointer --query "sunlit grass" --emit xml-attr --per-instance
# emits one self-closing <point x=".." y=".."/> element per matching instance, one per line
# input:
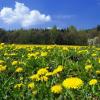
<point x="49" y="72"/>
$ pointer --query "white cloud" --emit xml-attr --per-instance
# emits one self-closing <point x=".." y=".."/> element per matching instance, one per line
<point x="22" y="15"/>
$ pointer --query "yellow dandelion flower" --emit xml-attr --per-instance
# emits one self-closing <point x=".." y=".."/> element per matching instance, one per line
<point x="56" y="89"/>
<point x="35" y="77"/>
<point x="94" y="54"/>
<point x="82" y="52"/>
<point x="72" y="83"/>
<point x="44" y="78"/>
<point x="42" y="71"/>
<point x="49" y="74"/>
<point x="93" y="82"/>
<point x="44" y="54"/>
<point x="18" y="86"/>
<point x="88" y="67"/>
<point x="99" y="60"/>
<point x="49" y="47"/>
<point x="14" y="63"/>
<point x="31" y="85"/>
<point x="2" y="68"/>
<point x="58" y="69"/>
<point x="19" y="69"/>
<point x="65" y="48"/>
<point x="98" y="72"/>
<point x="30" y="55"/>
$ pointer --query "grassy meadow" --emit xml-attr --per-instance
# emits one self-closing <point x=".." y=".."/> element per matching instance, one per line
<point x="49" y="72"/>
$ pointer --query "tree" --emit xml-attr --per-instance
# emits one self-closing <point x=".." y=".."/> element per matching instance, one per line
<point x="71" y="29"/>
<point x="2" y="35"/>
<point x="98" y="27"/>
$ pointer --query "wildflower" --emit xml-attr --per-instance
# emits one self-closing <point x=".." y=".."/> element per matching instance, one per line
<point x="34" y="77"/>
<point x="94" y="54"/>
<point x="99" y="60"/>
<point x="58" y="69"/>
<point x="98" y="72"/>
<point x="43" y="78"/>
<point x="19" y="69"/>
<point x="65" y="48"/>
<point x="18" y="86"/>
<point x="93" y="82"/>
<point x="43" y="54"/>
<point x="49" y="74"/>
<point x="72" y="83"/>
<point x="42" y="71"/>
<point x="14" y="63"/>
<point x="56" y="89"/>
<point x="30" y="55"/>
<point x="83" y="52"/>
<point x="88" y="67"/>
<point x="2" y="68"/>
<point x="31" y="85"/>
<point x="49" y="47"/>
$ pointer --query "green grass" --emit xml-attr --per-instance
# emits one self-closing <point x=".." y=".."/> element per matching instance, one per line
<point x="32" y="58"/>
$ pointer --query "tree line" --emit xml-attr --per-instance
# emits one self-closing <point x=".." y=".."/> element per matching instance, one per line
<point x="68" y="36"/>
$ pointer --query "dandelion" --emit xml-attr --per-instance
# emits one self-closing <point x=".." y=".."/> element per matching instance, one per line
<point x="49" y="74"/>
<point x="49" y="47"/>
<point x="14" y="63"/>
<point x="44" y="78"/>
<point x="2" y="68"/>
<point x="83" y="52"/>
<point x="88" y="67"/>
<point x="56" y="89"/>
<point x="58" y="69"/>
<point x="44" y="54"/>
<point x="35" y="77"/>
<point x="94" y="54"/>
<point x="99" y="60"/>
<point x="30" y="55"/>
<point x="42" y="71"/>
<point x="65" y="48"/>
<point x="18" y="86"/>
<point x="93" y="82"/>
<point x="31" y="85"/>
<point x="19" y="69"/>
<point x="72" y="83"/>
<point x="98" y="72"/>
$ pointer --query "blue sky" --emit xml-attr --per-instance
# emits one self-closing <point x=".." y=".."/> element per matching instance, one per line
<point x="47" y="13"/>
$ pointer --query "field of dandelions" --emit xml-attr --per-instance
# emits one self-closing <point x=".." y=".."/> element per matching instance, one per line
<point x="49" y="72"/>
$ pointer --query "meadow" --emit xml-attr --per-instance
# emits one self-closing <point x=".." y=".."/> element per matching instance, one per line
<point x="49" y="72"/>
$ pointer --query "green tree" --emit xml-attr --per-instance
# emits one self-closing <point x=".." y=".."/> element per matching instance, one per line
<point x="72" y="29"/>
